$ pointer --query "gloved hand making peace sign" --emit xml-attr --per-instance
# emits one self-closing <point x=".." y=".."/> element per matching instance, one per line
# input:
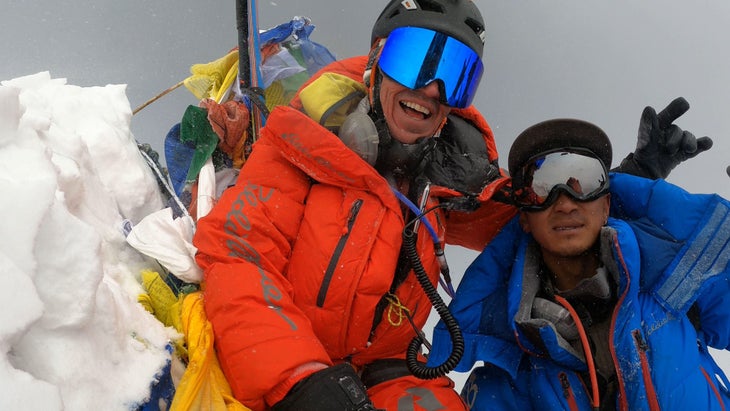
<point x="661" y="144"/>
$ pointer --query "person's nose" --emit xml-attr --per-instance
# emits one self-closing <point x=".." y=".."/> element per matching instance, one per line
<point x="565" y="203"/>
<point x="431" y="90"/>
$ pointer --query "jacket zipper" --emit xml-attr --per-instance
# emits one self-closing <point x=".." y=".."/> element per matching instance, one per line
<point x="594" y="395"/>
<point x="622" y="400"/>
<point x="712" y="384"/>
<point x="643" y="347"/>
<point x="354" y="210"/>
<point x="568" y="391"/>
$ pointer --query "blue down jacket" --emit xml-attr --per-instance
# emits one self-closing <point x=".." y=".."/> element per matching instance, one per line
<point x="671" y="252"/>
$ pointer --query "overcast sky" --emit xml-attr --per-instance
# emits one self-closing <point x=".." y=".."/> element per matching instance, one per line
<point x="600" y="61"/>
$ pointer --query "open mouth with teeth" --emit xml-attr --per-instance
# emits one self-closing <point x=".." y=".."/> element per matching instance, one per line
<point x="415" y="110"/>
<point x="568" y="227"/>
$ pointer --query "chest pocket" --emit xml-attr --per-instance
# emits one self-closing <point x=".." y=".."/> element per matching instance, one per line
<point x="342" y="263"/>
<point x="335" y="252"/>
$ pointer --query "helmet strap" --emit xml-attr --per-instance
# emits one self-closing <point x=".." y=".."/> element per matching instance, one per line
<point x="376" y="109"/>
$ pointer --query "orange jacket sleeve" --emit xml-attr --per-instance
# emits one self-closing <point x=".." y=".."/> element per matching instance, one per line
<point x="243" y="246"/>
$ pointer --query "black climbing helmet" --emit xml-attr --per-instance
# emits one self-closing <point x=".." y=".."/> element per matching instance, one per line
<point x="459" y="19"/>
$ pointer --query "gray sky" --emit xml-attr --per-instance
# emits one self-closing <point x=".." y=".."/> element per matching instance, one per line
<point x="600" y="61"/>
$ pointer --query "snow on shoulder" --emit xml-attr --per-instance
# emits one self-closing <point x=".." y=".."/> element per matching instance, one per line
<point x="72" y="334"/>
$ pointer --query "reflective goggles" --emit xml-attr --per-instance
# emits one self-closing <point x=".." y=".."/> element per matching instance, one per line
<point x="414" y="57"/>
<point x="576" y="173"/>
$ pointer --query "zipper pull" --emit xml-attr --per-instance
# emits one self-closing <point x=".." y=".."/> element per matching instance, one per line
<point x="565" y="384"/>
<point x="643" y="346"/>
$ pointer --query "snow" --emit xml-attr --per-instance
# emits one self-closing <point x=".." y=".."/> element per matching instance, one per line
<point x="72" y="335"/>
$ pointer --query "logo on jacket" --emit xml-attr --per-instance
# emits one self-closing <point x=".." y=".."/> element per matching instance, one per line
<point x="237" y="227"/>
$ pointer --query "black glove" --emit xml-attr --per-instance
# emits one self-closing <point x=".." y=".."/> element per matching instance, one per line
<point x="460" y="160"/>
<point x="336" y="388"/>
<point x="662" y="145"/>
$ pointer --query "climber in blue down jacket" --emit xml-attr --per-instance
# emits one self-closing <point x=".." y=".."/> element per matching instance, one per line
<point x="605" y="292"/>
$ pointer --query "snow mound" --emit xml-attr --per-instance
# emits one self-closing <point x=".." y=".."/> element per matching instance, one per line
<point x="72" y="335"/>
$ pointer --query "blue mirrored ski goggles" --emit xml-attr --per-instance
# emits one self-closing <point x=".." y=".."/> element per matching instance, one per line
<point x="579" y="174"/>
<point x="414" y="57"/>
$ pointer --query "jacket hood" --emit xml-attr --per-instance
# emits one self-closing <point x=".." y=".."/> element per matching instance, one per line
<point x="320" y="153"/>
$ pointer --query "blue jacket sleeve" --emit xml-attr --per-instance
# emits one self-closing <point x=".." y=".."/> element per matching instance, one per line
<point x="685" y="243"/>
<point x="714" y="313"/>
<point x="491" y="388"/>
<point x="480" y="308"/>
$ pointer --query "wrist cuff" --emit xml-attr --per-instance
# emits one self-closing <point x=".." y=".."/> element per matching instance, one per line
<point x="282" y="389"/>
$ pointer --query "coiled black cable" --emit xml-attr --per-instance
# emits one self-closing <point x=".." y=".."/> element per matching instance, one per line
<point x="457" y="339"/>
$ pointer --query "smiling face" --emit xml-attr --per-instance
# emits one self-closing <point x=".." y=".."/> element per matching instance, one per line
<point x="411" y="114"/>
<point x="568" y="228"/>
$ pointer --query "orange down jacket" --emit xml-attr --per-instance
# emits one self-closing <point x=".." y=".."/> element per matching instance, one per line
<point x="300" y="251"/>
